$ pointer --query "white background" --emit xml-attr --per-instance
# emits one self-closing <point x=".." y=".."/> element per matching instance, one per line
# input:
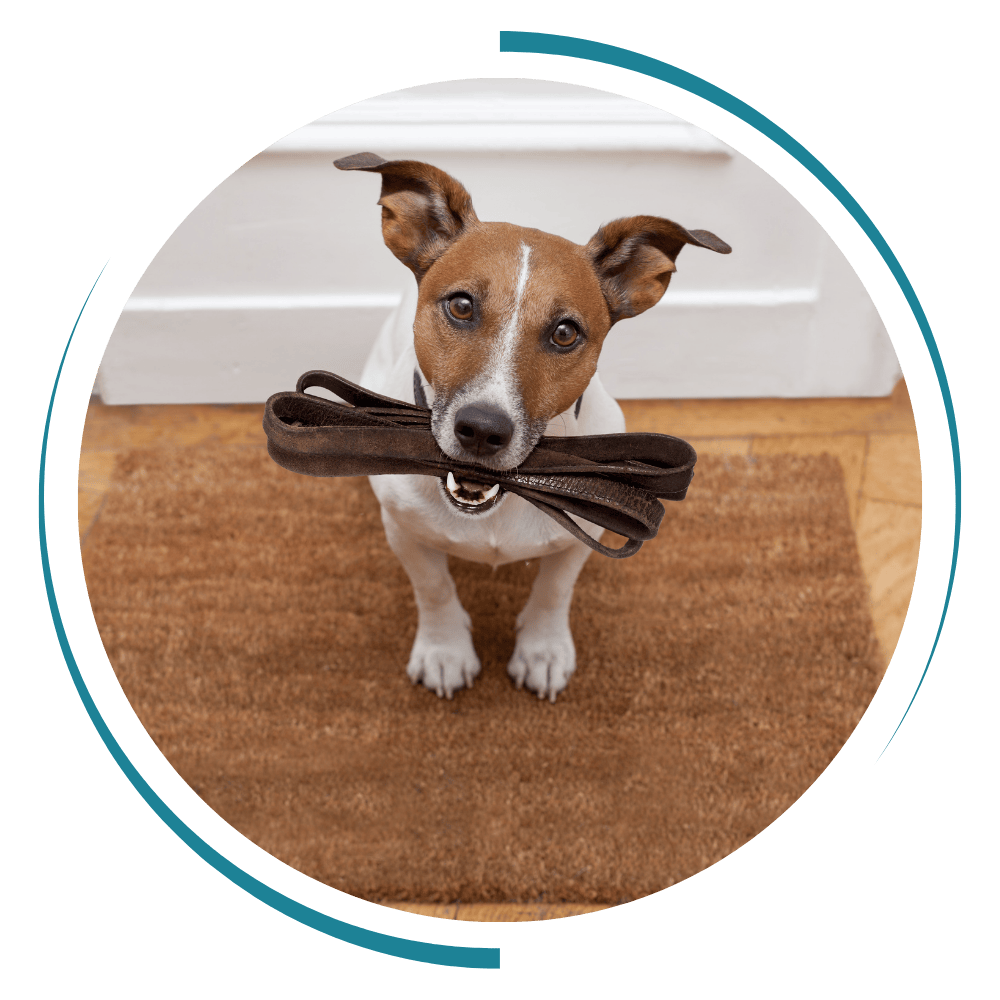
<point x="783" y="316"/>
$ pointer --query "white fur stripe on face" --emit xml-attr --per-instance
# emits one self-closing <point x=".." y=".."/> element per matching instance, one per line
<point x="501" y="369"/>
<point x="522" y="274"/>
<point x="497" y="383"/>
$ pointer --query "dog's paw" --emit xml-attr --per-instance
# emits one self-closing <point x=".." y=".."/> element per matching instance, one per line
<point x="443" y="664"/>
<point x="544" y="655"/>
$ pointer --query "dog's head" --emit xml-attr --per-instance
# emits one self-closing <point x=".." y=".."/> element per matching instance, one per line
<point x="510" y="321"/>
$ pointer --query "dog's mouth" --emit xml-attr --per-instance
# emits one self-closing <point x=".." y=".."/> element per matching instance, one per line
<point x="473" y="498"/>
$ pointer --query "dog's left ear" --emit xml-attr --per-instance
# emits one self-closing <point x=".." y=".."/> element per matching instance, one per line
<point x="423" y="208"/>
<point x="634" y="259"/>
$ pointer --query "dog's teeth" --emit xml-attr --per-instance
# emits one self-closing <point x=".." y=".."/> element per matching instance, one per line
<point x="457" y="489"/>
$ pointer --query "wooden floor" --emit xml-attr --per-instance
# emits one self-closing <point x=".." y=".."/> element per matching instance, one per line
<point x="874" y="439"/>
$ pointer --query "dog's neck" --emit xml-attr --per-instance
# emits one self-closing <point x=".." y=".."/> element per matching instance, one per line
<point x="419" y="396"/>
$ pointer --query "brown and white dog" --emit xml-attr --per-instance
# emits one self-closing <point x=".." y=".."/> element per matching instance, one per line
<point x="500" y="338"/>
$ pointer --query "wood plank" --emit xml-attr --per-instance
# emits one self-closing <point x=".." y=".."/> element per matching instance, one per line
<point x="893" y="468"/>
<point x="444" y="911"/>
<point x="122" y="427"/>
<point x="739" y="417"/>
<point x="498" y="912"/>
<point x="510" y="912"/>
<point x="96" y="468"/>
<point x="888" y="543"/>
<point x="720" y="446"/>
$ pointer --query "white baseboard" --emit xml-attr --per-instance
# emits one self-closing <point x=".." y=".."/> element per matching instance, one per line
<point x="695" y="344"/>
<point x="231" y="355"/>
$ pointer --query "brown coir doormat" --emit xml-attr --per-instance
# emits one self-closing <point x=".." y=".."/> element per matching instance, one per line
<point x="260" y="627"/>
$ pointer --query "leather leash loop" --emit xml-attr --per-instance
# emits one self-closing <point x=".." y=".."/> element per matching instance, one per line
<point x="615" y="481"/>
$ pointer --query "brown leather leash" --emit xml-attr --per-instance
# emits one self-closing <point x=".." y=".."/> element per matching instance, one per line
<point x="612" y="480"/>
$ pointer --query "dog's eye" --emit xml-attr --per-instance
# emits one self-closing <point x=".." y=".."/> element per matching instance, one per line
<point x="460" y="306"/>
<point x="565" y="335"/>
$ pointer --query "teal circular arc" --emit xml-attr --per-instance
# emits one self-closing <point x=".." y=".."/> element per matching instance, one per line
<point x="581" y="48"/>
<point x="386" y="944"/>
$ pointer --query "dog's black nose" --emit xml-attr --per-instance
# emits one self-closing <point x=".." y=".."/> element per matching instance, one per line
<point x="483" y="429"/>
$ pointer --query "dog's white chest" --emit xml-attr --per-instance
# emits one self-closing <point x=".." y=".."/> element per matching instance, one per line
<point x="514" y="531"/>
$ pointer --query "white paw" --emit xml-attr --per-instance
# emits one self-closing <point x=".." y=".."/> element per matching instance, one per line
<point x="544" y="655"/>
<point x="443" y="659"/>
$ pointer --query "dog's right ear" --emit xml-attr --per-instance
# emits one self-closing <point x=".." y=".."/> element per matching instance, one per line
<point x="423" y="208"/>
<point x="634" y="259"/>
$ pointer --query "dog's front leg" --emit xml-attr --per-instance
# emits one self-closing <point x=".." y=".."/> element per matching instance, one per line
<point x="544" y="655"/>
<point x="443" y="657"/>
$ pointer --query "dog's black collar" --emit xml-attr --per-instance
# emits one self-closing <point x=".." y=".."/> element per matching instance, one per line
<point x="419" y="396"/>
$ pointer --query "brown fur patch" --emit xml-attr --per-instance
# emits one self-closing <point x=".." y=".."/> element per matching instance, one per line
<point x="484" y="262"/>
<point x="634" y="259"/>
<point x="423" y="208"/>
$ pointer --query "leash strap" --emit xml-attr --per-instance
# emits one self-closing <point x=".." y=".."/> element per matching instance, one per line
<point x="615" y="481"/>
